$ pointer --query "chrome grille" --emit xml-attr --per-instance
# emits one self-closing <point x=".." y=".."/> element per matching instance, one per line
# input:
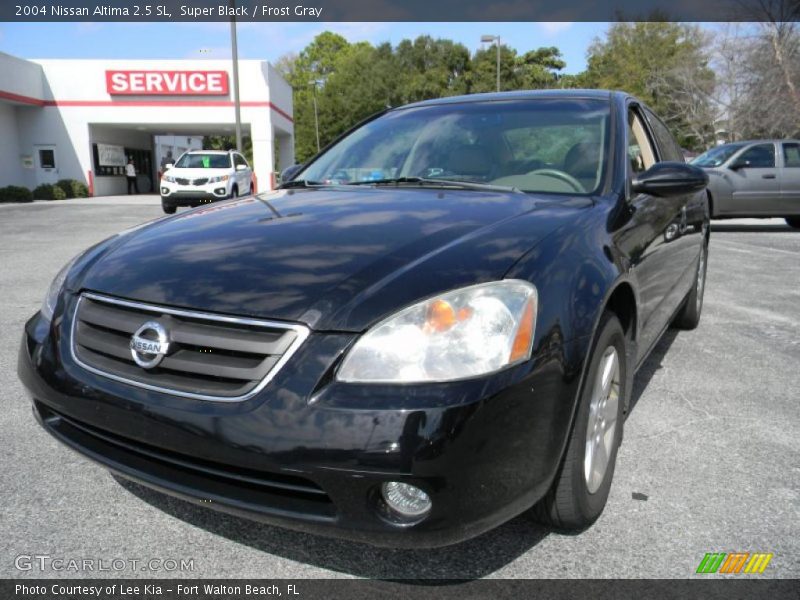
<point x="182" y="181"/>
<point x="210" y="357"/>
<point x="200" y="181"/>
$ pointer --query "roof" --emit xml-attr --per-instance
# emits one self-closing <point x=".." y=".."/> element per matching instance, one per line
<point x="519" y="95"/>
<point x="210" y="151"/>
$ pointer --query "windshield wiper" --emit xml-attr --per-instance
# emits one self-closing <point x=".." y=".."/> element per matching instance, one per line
<point x="466" y="185"/>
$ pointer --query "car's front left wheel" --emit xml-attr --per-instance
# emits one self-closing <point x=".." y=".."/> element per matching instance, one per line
<point x="168" y="208"/>
<point x="580" y="490"/>
<point x="793" y="222"/>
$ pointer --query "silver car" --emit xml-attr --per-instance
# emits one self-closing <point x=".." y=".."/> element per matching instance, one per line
<point x="759" y="178"/>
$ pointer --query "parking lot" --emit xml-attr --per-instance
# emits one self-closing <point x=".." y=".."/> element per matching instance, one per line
<point x="710" y="460"/>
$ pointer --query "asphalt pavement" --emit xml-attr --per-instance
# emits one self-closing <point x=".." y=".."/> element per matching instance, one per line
<point x="710" y="460"/>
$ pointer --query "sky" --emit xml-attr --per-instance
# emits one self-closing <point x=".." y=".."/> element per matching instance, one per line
<point x="271" y="40"/>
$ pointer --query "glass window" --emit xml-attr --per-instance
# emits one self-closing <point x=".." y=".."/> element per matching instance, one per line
<point x="791" y="154"/>
<point x="717" y="156"/>
<point x="669" y="149"/>
<point x="761" y="156"/>
<point x="238" y="159"/>
<point x="541" y="145"/>
<point x="199" y="160"/>
<point x="47" y="159"/>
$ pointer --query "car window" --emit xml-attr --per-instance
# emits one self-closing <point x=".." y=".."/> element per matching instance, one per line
<point x="717" y="156"/>
<point x="641" y="155"/>
<point x="668" y="147"/>
<point x="204" y="161"/>
<point x="239" y="160"/>
<point x="791" y="154"/>
<point x="761" y="156"/>
<point x="542" y="145"/>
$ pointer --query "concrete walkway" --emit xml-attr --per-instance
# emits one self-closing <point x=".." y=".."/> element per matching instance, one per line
<point x="137" y="199"/>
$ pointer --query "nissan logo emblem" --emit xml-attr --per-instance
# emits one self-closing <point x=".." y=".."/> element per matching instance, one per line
<point x="149" y="344"/>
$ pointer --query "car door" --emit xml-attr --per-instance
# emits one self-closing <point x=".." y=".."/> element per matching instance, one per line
<point x="790" y="178"/>
<point x="648" y="238"/>
<point x="755" y="181"/>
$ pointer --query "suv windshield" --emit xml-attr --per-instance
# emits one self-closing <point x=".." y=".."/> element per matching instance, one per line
<point x="204" y="161"/>
<point x="540" y="145"/>
<point x="716" y="156"/>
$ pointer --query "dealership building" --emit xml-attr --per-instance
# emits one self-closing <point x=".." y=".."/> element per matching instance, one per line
<point x="81" y="119"/>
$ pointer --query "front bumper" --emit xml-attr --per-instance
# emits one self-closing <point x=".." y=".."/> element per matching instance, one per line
<point x="310" y="454"/>
<point x="176" y="194"/>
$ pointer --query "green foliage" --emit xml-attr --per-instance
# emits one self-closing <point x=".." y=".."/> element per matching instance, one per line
<point x="15" y="193"/>
<point x="73" y="188"/>
<point x="350" y="82"/>
<point x="47" y="191"/>
<point x="665" y="64"/>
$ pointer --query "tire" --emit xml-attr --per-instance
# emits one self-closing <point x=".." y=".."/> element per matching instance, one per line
<point x="793" y="222"/>
<point x="689" y="316"/>
<point x="234" y="193"/>
<point x="576" y="499"/>
<point x="168" y="208"/>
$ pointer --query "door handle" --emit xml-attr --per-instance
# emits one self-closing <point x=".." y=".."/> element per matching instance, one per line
<point x="768" y="176"/>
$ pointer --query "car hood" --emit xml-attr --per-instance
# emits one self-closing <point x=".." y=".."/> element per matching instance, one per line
<point x="332" y="258"/>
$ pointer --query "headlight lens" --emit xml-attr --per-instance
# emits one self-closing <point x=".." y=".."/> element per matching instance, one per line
<point x="464" y="333"/>
<point x="218" y="179"/>
<point x="50" y="300"/>
<point x="168" y="178"/>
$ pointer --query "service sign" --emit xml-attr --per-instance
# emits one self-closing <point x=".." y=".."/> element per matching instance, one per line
<point x="167" y="83"/>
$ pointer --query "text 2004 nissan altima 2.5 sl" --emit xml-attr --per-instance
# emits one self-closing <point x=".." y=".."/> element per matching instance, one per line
<point x="431" y="328"/>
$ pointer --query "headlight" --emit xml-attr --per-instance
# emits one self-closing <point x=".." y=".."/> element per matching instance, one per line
<point x="168" y="178"/>
<point x="50" y="300"/>
<point x="218" y="179"/>
<point x="464" y="333"/>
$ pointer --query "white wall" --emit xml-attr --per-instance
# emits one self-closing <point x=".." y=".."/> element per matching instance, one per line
<point x="21" y="77"/>
<point x="11" y="170"/>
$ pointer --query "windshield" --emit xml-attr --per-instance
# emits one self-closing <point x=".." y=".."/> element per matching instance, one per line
<point x="541" y="145"/>
<point x="716" y="156"/>
<point x="204" y="161"/>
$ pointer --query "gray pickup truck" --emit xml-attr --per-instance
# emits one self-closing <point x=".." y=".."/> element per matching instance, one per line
<point x="758" y="178"/>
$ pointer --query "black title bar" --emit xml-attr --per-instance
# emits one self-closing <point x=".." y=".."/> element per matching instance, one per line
<point x="397" y="10"/>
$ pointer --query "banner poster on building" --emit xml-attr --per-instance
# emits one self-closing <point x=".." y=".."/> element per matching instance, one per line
<point x="110" y="156"/>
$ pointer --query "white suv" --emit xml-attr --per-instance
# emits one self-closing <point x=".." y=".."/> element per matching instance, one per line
<point x="202" y="176"/>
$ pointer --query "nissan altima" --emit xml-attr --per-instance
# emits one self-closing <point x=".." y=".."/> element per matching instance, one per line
<point x="429" y="328"/>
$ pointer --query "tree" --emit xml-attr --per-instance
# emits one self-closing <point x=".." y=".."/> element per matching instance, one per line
<point x="666" y="65"/>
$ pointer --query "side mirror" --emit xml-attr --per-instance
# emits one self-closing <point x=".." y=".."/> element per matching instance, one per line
<point x="241" y="167"/>
<point x="289" y="172"/>
<point x="168" y="166"/>
<point x="739" y="164"/>
<point x="670" y="179"/>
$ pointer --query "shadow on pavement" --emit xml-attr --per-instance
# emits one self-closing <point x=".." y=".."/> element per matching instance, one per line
<point x="472" y="559"/>
<point x="650" y="366"/>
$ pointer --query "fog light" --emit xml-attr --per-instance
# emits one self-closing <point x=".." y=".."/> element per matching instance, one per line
<point x="406" y="500"/>
<point x="165" y="191"/>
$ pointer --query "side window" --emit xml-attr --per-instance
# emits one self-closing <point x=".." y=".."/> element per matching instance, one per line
<point x="761" y="156"/>
<point x="640" y="150"/>
<point x="238" y="159"/>
<point x="666" y="142"/>
<point x="791" y="154"/>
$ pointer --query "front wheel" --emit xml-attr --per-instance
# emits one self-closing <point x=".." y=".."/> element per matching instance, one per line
<point x="168" y="208"/>
<point x="793" y="222"/>
<point x="689" y="315"/>
<point x="580" y="491"/>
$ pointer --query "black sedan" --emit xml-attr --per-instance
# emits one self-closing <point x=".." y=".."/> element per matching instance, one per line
<point x="430" y="328"/>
